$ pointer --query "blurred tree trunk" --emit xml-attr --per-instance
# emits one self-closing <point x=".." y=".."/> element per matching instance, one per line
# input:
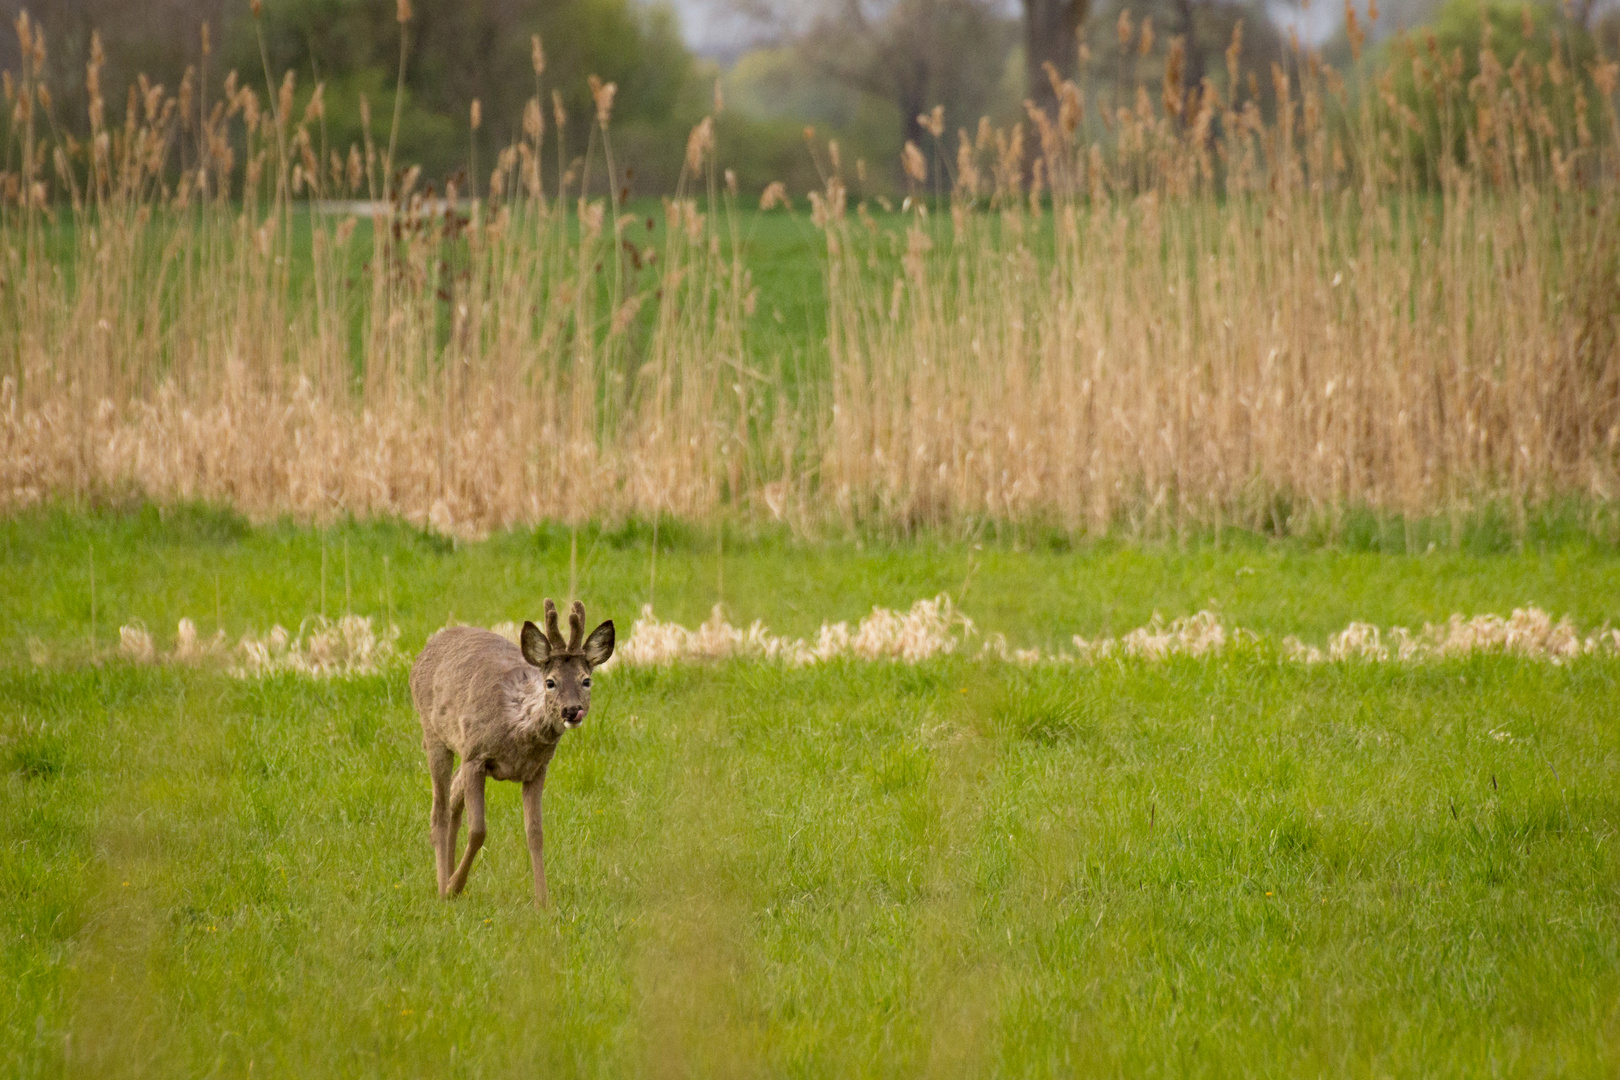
<point x="1196" y="62"/>
<point x="914" y="53"/>
<point x="1050" y="36"/>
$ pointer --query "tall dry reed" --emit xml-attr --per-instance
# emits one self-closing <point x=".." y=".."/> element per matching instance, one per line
<point x="1210" y="307"/>
<point x="1200" y="312"/>
<point x="206" y="301"/>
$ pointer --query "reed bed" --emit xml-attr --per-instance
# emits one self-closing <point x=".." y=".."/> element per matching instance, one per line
<point x="513" y="348"/>
<point x="1229" y="309"/>
<point x="1212" y="305"/>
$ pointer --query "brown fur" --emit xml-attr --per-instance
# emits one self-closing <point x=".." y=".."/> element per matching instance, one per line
<point x="488" y="702"/>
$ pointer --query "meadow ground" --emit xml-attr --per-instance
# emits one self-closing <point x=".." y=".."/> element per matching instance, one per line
<point x="1228" y="865"/>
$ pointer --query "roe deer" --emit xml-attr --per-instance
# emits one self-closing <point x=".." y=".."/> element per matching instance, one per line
<point x="501" y="710"/>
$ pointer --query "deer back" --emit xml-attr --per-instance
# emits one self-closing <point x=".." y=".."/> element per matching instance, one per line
<point x="469" y="686"/>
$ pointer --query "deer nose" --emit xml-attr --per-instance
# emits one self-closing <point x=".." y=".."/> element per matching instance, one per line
<point x="572" y="713"/>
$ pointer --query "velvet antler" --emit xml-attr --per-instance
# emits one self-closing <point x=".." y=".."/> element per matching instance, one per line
<point x="576" y="626"/>
<point x="553" y="634"/>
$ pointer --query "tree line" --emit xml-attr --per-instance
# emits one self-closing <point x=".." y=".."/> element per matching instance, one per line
<point x="868" y="72"/>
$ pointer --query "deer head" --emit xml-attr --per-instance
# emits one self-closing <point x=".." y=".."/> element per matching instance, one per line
<point x="566" y="666"/>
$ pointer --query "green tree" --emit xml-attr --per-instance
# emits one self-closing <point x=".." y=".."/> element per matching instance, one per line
<point x="458" y="52"/>
<point x="1533" y="40"/>
<point x="475" y="50"/>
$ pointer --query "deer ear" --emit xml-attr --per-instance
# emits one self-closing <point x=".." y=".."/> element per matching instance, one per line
<point x="599" y="646"/>
<point x="536" y="649"/>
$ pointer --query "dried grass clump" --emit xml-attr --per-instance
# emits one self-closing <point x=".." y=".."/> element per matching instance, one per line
<point x="135" y="643"/>
<point x="996" y="648"/>
<point x="1302" y="653"/>
<point x="189" y="648"/>
<point x="928" y="629"/>
<point x="1528" y="632"/>
<point x="1358" y="641"/>
<point x="347" y="647"/>
<point x="1199" y="634"/>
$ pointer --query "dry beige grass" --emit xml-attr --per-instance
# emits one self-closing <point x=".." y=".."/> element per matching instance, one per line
<point x="929" y="629"/>
<point x="464" y="370"/>
<point x="1221" y="318"/>
<point x="1210" y="314"/>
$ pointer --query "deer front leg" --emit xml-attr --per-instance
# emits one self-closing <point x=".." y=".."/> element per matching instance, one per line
<point x="472" y="784"/>
<point x="535" y="835"/>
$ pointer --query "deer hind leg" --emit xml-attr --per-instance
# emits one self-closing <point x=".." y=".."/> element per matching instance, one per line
<point x="470" y="780"/>
<point x="441" y="766"/>
<point x="458" y="802"/>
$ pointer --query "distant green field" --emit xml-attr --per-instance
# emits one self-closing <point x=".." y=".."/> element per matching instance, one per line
<point x="1231" y="866"/>
<point x="783" y="251"/>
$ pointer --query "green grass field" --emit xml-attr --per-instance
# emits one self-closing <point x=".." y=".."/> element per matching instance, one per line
<point x="1198" y="867"/>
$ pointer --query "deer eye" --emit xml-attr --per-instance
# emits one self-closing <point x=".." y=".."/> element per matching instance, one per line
<point x="551" y="684"/>
<point x="586" y="682"/>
